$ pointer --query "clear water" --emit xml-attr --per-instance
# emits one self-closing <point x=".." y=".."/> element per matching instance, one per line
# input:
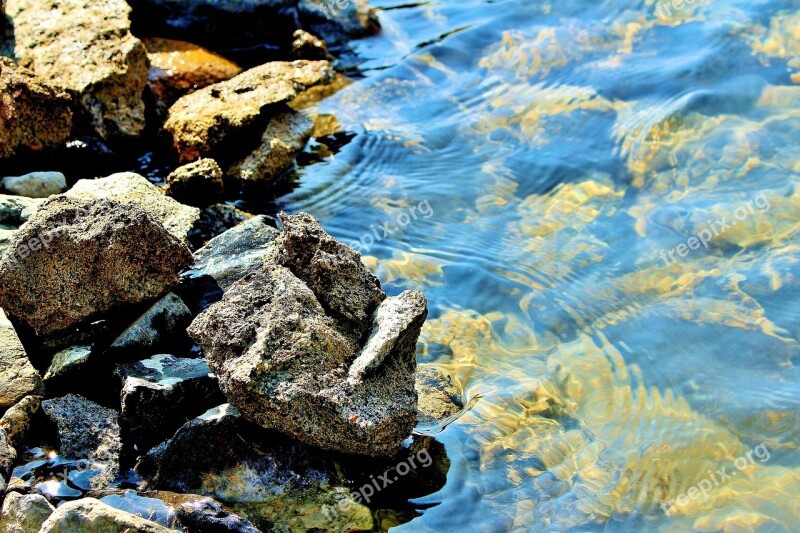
<point x="601" y="205"/>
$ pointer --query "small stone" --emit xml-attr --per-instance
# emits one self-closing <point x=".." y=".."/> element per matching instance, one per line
<point x="208" y="515"/>
<point x="18" y="420"/>
<point x="198" y="183"/>
<point x="439" y="398"/>
<point x="18" y="378"/>
<point x="160" y="327"/>
<point x="15" y="210"/>
<point x="36" y="184"/>
<point x="68" y="361"/>
<point x="307" y="46"/>
<point x="24" y="513"/>
<point x="90" y="515"/>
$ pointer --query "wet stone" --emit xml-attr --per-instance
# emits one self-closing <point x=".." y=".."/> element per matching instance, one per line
<point x="18" y="378"/>
<point x="89" y="514"/>
<point x="160" y="328"/>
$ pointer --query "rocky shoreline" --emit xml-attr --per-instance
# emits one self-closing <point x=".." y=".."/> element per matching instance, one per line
<point x="169" y="361"/>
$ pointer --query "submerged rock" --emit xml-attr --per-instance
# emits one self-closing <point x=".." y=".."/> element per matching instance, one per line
<point x="286" y="135"/>
<point x="24" y="513"/>
<point x="198" y="183"/>
<point x="288" y="345"/>
<point x="18" y="378"/>
<point x="439" y="397"/>
<point x="36" y="184"/>
<point x="86" y="48"/>
<point x="161" y="327"/>
<point x="208" y="515"/>
<point x="202" y="121"/>
<point x="77" y="259"/>
<point x="128" y="187"/>
<point x="160" y="393"/>
<point x="33" y="113"/>
<point x="89" y="514"/>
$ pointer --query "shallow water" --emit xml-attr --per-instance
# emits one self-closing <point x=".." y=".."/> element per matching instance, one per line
<point x="601" y="205"/>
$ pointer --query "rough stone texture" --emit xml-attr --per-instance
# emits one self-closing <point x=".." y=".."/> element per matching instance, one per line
<point x="86" y="47"/>
<point x="129" y="187"/>
<point x="68" y="361"/>
<point x="18" y="378"/>
<point x="18" y="421"/>
<point x="8" y="455"/>
<point x="284" y="339"/>
<point x="227" y="259"/>
<point x="217" y="219"/>
<point x="209" y="516"/>
<point x="336" y="24"/>
<point x="285" y="136"/>
<point x="439" y="397"/>
<point x="178" y="68"/>
<point x="33" y="113"/>
<point x="24" y="513"/>
<point x="307" y="46"/>
<point x="160" y="393"/>
<point x="198" y="183"/>
<point x="91" y="257"/>
<point x="160" y="327"/>
<point x="14" y="210"/>
<point x="91" y="515"/>
<point x="36" y="184"/>
<point x="87" y="431"/>
<point x="200" y="122"/>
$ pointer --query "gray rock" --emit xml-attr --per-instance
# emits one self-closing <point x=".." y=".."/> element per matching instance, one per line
<point x="226" y="259"/>
<point x="160" y="393"/>
<point x="208" y="515"/>
<point x="285" y="136"/>
<point x="68" y="361"/>
<point x="36" y="184"/>
<point x="8" y="455"/>
<point x="74" y="260"/>
<point x="35" y="115"/>
<point x="439" y="398"/>
<point x="86" y="48"/>
<point x="198" y="183"/>
<point x="18" y="421"/>
<point x="217" y="219"/>
<point x="202" y="121"/>
<point x="18" y="378"/>
<point x="87" y="431"/>
<point x="160" y="327"/>
<point x="128" y="187"/>
<point x="90" y="515"/>
<point x="284" y="339"/>
<point x="24" y="513"/>
<point x="14" y="210"/>
<point x="338" y="21"/>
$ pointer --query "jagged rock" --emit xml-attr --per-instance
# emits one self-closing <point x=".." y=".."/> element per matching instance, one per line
<point x="86" y="48"/>
<point x="36" y="184"/>
<point x="217" y="219"/>
<point x="128" y="187"/>
<point x="178" y="68"/>
<point x="77" y="259"/>
<point x="161" y="327"/>
<point x="18" y="378"/>
<point x="287" y="343"/>
<point x="209" y="516"/>
<point x="15" y="210"/>
<point x="18" y="420"/>
<point x="68" y="361"/>
<point x="89" y="514"/>
<point x="200" y="123"/>
<point x="160" y="393"/>
<point x="87" y="431"/>
<point x="33" y="113"/>
<point x="198" y="183"/>
<point x="285" y="136"/>
<point x="226" y="259"/>
<point x="24" y="513"/>
<point x="439" y="398"/>
<point x="307" y="46"/>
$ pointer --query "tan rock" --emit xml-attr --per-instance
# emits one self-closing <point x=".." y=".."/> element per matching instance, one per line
<point x="18" y="378"/>
<point x="89" y="515"/>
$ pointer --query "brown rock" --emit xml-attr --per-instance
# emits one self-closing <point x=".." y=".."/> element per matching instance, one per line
<point x="198" y="183"/>
<point x="18" y="378"/>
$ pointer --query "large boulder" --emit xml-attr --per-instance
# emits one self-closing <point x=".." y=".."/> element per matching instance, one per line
<point x="309" y="345"/>
<point x="207" y="121"/>
<point x="33" y="113"/>
<point x="89" y="514"/>
<point x="86" y="47"/>
<point x="74" y="260"/>
<point x="24" y="513"/>
<point x="18" y="378"/>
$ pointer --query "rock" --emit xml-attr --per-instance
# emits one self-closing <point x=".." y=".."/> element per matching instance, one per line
<point x="36" y="184"/>
<point x="178" y="68"/>
<point x="202" y="123"/>
<point x="307" y="46"/>
<point x="338" y="21"/>
<point x="18" y="378"/>
<point x="217" y="219"/>
<point x="161" y="327"/>
<point x="152" y="509"/>
<point x="88" y="514"/>
<point x="24" y="513"/>
<point x="68" y="361"/>
<point x="77" y="259"/>
<point x="18" y="420"/>
<point x="15" y="210"/>
<point x="209" y="516"/>
<point x="87" y="431"/>
<point x="287" y="343"/>
<point x="86" y="48"/>
<point x="33" y="114"/>
<point x="128" y="187"/>
<point x="160" y="393"/>
<point x="285" y="136"/>
<point x="198" y="183"/>
<point x="8" y="455"/>
<point x="225" y="260"/>
<point x="439" y="398"/>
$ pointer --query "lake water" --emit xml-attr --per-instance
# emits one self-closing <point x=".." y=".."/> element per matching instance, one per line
<point x="601" y="201"/>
